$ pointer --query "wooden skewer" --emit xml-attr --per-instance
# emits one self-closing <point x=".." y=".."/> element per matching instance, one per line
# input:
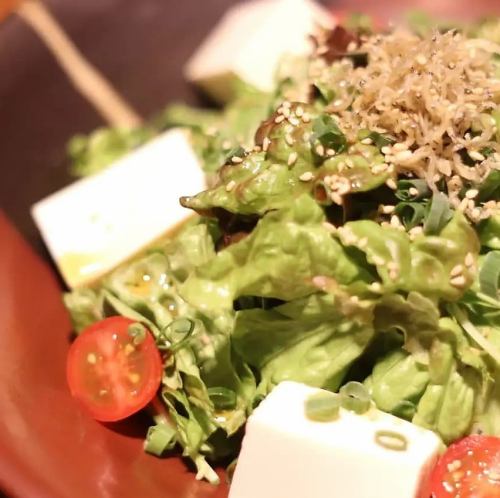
<point x="84" y="76"/>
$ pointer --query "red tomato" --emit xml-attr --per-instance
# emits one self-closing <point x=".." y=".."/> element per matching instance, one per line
<point x="110" y="375"/>
<point x="470" y="468"/>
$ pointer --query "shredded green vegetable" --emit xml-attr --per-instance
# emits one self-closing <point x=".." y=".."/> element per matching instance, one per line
<point x="355" y="397"/>
<point x="322" y="407"/>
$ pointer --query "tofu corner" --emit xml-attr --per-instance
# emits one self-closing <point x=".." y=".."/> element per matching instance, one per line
<point x="98" y="222"/>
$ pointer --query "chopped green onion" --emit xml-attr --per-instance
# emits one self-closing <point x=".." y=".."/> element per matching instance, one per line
<point x="328" y="134"/>
<point x="178" y="332"/>
<point x="235" y="152"/>
<point x="462" y="318"/>
<point x="391" y="440"/>
<point x="489" y="274"/>
<point x="222" y="398"/>
<point x="404" y="187"/>
<point x="355" y="397"/>
<point x="411" y="214"/>
<point x="489" y="190"/>
<point x="160" y="437"/>
<point x="378" y="139"/>
<point x="322" y="407"/>
<point x="439" y="214"/>
<point x="138" y="332"/>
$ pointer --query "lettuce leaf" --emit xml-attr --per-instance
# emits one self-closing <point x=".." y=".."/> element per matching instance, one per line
<point x="422" y="265"/>
<point x="91" y="153"/>
<point x="278" y="259"/>
<point x="312" y="340"/>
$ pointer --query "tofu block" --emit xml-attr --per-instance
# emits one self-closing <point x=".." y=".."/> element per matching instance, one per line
<point x="249" y="42"/>
<point x="286" y="455"/>
<point x="98" y="222"/>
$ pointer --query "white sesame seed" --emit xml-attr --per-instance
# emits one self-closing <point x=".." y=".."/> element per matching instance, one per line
<point x="378" y="168"/>
<point x="236" y="159"/>
<point x="416" y="231"/>
<point x="338" y="103"/>
<point x="386" y="149"/>
<point x="403" y="155"/>
<point x="472" y="193"/>
<point x="395" y="221"/>
<point x="230" y="186"/>
<point x="477" y="156"/>
<point x="286" y="104"/>
<point x="330" y="152"/>
<point x="320" y="150"/>
<point x="367" y="141"/>
<point x="286" y="112"/>
<point x="343" y="188"/>
<point x="257" y="148"/>
<point x="306" y="177"/>
<point x="349" y="163"/>
<point x="469" y="260"/>
<point x="387" y="209"/>
<point x="399" y="147"/>
<point x="279" y="119"/>
<point x="458" y="281"/>
<point x="289" y="139"/>
<point x="413" y="191"/>
<point x="378" y="260"/>
<point x="375" y="287"/>
<point x="463" y="204"/>
<point x="299" y="112"/>
<point x="352" y="46"/>
<point x="294" y="121"/>
<point x="456" y="271"/>
<point x="336" y="198"/>
<point x="265" y="144"/>
<point x="391" y="184"/>
<point x="306" y="117"/>
<point x="292" y="158"/>
<point x="331" y="228"/>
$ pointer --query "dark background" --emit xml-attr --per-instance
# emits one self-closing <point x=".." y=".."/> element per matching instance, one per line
<point x="141" y="47"/>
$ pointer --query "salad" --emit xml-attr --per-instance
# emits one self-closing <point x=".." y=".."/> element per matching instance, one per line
<point x="350" y="232"/>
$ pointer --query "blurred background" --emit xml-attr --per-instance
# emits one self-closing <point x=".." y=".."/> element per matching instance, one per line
<point x="141" y="47"/>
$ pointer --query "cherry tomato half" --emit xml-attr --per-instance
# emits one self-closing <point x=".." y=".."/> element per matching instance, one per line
<point x="112" y="376"/>
<point x="470" y="468"/>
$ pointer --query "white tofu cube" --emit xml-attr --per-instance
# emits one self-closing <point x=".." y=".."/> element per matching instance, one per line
<point x="249" y="42"/>
<point x="98" y="222"/>
<point x="286" y="455"/>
